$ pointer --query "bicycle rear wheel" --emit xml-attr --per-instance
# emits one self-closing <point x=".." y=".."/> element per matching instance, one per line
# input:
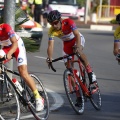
<point x="95" y="97"/>
<point x="71" y="93"/>
<point x="9" y="104"/>
<point x="42" y="115"/>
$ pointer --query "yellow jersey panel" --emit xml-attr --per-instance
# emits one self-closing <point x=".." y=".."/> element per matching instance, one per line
<point x="117" y="33"/>
<point x="54" y="33"/>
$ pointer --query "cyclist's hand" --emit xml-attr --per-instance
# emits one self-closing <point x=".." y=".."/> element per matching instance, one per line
<point x="8" y="56"/>
<point x="48" y="60"/>
<point x="75" y="49"/>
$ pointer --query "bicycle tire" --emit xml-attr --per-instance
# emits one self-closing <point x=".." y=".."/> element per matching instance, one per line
<point x="9" y="106"/>
<point x="42" y="115"/>
<point x="95" y="98"/>
<point x="71" y="95"/>
<point x="85" y="82"/>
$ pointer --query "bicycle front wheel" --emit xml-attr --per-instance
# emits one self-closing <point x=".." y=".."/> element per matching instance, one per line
<point x="42" y="115"/>
<point x="95" y="97"/>
<point x="72" y="93"/>
<point x="9" y="103"/>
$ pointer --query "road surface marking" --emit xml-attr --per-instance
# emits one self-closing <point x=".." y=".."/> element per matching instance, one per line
<point x="58" y="102"/>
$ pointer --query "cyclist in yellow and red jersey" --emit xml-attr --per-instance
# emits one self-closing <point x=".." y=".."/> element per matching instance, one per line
<point x="12" y="45"/>
<point x="67" y="31"/>
<point x="116" y="49"/>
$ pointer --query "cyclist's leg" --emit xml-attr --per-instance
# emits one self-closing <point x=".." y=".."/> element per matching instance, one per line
<point x="20" y="55"/>
<point x="91" y="75"/>
<point x="42" y="115"/>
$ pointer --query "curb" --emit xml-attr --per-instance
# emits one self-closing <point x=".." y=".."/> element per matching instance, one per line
<point x="95" y="27"/>
<point x="103" y="27"/>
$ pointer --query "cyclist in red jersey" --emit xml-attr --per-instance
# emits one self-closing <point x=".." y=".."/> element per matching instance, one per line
<point x="12" y="44"/>
<point x="67" y="31"/>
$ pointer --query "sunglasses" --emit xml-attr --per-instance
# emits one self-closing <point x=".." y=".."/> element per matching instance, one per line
<point x="54" y="23"/>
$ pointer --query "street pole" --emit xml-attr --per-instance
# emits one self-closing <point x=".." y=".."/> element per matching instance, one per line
<point x="86" y="11"/>
<point x="9" y="17"/>
<point x="100" y="9"/>
<point x="108" y="12"/>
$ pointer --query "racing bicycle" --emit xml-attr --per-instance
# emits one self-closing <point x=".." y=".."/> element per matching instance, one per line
<point x="14" y="101"/>
<point x="76" y="85"/>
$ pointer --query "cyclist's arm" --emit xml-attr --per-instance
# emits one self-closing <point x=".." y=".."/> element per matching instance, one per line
<point x="50" y="49"/>
<point x="78" y="39"/>
<point x="13" y="47"/>
<point x="12" y="38"/>
<point x="116" y="48"/>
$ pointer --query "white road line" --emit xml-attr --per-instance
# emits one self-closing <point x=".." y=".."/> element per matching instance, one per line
<point x="40" y="57"/>
<point x="46" y="58"/>
<point x="1" y="118"/>
<point x="58" y="102"/>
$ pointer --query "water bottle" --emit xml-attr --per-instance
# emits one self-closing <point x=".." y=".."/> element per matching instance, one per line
<point x="17" y="84"/>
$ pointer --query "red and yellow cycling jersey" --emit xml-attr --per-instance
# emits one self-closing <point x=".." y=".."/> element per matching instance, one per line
<point x="66" y="35"/>
<point x="117" y="34"/>
<point x="66" y="32"/>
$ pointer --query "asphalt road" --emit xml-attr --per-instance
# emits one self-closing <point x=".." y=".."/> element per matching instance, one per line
<point x="99" y="50"/>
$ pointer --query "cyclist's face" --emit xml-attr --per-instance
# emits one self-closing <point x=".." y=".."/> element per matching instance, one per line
<point x="56" y="24"/>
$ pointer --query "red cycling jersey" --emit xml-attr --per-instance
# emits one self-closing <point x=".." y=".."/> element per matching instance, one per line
<point x="6" y="33"/>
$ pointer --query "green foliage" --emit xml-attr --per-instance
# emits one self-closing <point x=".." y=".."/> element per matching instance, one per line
<point x="30" y="44"/>
<point x="20" y="17"/>
<point x="113" y="21"/>
<point x="81" y="3"/>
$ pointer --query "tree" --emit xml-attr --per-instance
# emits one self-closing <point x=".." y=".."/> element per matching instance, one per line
<point x="81" y="3"/>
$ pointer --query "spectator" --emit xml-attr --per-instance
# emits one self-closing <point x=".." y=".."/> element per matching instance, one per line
<point x="24" y="4"/>
<point x="37" y="11"/>
<point x="45" y="12"/>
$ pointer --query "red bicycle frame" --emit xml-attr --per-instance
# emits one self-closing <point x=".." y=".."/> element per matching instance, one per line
<point x="81" y="67"/>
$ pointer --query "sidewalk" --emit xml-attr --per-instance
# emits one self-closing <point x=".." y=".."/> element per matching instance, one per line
<point x="96" y="26"/>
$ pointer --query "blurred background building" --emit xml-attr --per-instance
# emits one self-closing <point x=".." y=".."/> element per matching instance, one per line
<point x="95" y="11"/>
